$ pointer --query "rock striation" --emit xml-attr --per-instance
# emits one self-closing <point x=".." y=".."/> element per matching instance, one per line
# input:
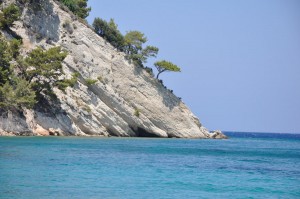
<point x="107" y="108"/>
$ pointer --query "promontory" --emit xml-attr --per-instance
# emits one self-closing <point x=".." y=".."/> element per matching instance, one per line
<point x="59" y="77"/>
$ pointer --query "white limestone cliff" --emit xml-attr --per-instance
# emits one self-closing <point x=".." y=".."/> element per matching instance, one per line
<point x="107" y="108"/>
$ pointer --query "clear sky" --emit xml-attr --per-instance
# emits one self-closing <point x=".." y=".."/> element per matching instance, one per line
<point x="240" y="60"/>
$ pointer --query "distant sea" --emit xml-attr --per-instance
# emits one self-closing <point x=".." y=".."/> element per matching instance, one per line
<point x="248" y="165"/>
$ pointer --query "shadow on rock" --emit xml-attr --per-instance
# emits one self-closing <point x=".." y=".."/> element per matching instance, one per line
<point x="41" y="22"/>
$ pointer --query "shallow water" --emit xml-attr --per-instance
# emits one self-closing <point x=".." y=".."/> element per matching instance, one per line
<point x="74" y="167"/>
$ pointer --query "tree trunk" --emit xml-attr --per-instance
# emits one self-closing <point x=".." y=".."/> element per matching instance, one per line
<point x="158" y="75"/>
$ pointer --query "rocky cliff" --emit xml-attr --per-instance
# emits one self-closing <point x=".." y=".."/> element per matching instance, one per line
<point x="125" y="100"/>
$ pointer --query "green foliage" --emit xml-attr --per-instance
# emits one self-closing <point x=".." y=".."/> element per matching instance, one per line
<point x="133" y="47"/>
<point x="63" y="84"/>
<point x="101" y="26"/>
<point x="164" y="65"/>
<point x="4" y="75"/>
<point x="46" y="63"/>
<point x="82" y="9"/>
<point x="8" y="51"/>
<point x="9" y="15"/>
<point x="90" y="82"/>
<point x="149" y="70"/>
<point x="149" y="51"/>
<point x="134" y="41"/>
<point x="137" y="59"/>
<point x="14" y="47"/>
<point x="14" y="92"/>
<point x="131" y="43"/>
<point x="16" y="95"/>
<point x="5" y="58"/>
<point x="78" y="7"/>
<point x="37" y="74"/>
<point x="137" y="112"/>
<point x="43" y="68"/>
<point x="109" y="31"/>
<point x="112" y="24"/>
<point x="87" y="108"/>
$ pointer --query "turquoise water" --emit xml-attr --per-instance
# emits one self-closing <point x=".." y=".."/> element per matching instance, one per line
<point x="72" y="167"/>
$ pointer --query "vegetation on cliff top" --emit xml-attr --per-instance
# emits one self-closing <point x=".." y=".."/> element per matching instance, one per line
<point x="42" y="68"/>
<point x="26" y="80"/>
<point x="132" y="44"/>
<point x="78" y="7"/>
<point x="8" y="15"/>
<point x="30" y="78"/>
<point x="15" y="91"/>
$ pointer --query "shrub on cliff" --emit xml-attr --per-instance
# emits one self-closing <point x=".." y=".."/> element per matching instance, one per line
<point x="35" y="75"/>
<point x="14" y="47"/>
<point x="63" y="84"/>
<point x="5" y="58"/>
<point x="78" y="7"/>
<point x="9" y="15"/>
<point x="43" y="68"/>
<point x="131" y="43"/>
<point x="90" y="82"/>
<point x="17" y="94"/>
<point x="109" y="31"/>
<point x="8" y="51"/>
<point x="137" y="112"/>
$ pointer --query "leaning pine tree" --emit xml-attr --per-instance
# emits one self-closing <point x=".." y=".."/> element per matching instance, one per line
<point x="164" y="65"/>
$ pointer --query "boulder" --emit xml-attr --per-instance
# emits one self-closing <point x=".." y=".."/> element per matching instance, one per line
<point x="217" y="134"/>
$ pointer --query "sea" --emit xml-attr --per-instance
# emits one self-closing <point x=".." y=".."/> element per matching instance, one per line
<point x="248" y="165"/>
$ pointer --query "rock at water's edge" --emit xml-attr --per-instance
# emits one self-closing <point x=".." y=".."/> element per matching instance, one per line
<point x="106" y="108"/>
<point x="217" y="134"/>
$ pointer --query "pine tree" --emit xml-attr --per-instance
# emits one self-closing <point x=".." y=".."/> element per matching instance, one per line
<point x="109" y="31"/>
<point x="17" y="95"/>
<point x="43" y="68"/>
<point x="9" y="15"/>
<point x="164" y="65"/>
<point x="78" y="7"/>
<point x="5" y="58"/>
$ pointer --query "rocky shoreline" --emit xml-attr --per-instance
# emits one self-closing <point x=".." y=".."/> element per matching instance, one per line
<point x="214" y="135"/>
<point x="124" y="100"/>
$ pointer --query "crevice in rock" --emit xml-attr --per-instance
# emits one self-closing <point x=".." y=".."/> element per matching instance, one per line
<point x="140" y="132"/>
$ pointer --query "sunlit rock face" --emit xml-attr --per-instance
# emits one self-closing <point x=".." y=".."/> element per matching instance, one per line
<point x="125" y="101"/>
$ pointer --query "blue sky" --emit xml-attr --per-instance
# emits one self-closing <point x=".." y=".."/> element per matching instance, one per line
<point x="240" y="60"/>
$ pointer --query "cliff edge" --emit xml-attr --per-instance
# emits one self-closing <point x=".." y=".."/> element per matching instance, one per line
<point x="125" y="100"/>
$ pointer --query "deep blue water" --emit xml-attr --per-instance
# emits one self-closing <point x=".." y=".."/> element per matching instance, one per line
<point x="245" y="166"/>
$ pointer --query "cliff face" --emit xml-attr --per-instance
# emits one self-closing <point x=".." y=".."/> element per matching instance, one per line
<point x="125" y="101"/>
